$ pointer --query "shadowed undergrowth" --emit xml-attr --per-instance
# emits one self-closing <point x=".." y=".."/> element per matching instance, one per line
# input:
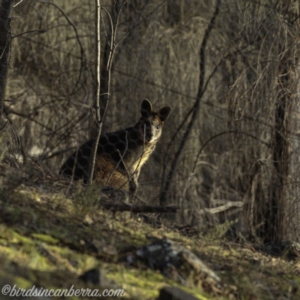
<point x="49" y="240"/>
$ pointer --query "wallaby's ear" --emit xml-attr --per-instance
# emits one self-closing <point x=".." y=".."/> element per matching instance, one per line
<point x="164" y="113"/>
<point x="146" y="108"/>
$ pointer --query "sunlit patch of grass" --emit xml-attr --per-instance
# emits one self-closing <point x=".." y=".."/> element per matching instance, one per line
<point x="144" y="284"/>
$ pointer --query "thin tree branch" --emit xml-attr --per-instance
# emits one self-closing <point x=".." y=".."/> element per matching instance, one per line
<point x="136" y="25"/>
<point x="223" y="133"/>
<point x="82" y="54"/>
<point x="29" y="31"/>
<point x="105" y="75"/>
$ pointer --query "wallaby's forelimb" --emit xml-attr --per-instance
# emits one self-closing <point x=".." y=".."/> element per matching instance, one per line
<point x="121" y="160"/>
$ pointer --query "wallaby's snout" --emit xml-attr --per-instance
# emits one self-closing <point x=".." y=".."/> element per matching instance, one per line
<point x="121" y="154"/>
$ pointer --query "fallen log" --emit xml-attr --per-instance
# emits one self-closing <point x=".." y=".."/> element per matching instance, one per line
<point x="138" y="208"/>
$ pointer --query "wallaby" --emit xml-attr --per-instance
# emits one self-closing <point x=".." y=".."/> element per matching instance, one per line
<point x="121" y="154"/>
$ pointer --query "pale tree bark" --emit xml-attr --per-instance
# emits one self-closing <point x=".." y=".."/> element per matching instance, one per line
<point x="97" y="91"/>
<point x="103" y="72"/>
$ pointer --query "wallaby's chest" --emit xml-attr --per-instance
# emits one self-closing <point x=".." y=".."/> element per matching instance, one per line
<point x="125" y="149"/>
<point x="142" y="158"/>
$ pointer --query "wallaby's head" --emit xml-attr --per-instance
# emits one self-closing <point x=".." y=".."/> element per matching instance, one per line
<point x="151" y="123"/>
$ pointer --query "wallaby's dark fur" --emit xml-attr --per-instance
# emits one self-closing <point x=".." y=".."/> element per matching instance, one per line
<point x="120" y="154"/>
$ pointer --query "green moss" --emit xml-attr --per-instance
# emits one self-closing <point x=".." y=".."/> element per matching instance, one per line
<point x="22" y="283"/>
<point x="13" y="237"/>
<point x="45" y="238"/>
<point x="144" y="284"/>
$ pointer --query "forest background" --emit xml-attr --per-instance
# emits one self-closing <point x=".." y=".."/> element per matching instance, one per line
<point x="230" y="150"/>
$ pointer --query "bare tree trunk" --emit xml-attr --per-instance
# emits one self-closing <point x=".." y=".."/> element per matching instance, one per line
<point x="97" y="91"/>
<point x="293" y="191"/>
<point x="275" y="214"/>
<point x="5" y="40"/>
<point x="103" y="73"/>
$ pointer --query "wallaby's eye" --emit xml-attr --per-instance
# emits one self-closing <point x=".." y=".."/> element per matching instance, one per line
<point x="157" y="127"/>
